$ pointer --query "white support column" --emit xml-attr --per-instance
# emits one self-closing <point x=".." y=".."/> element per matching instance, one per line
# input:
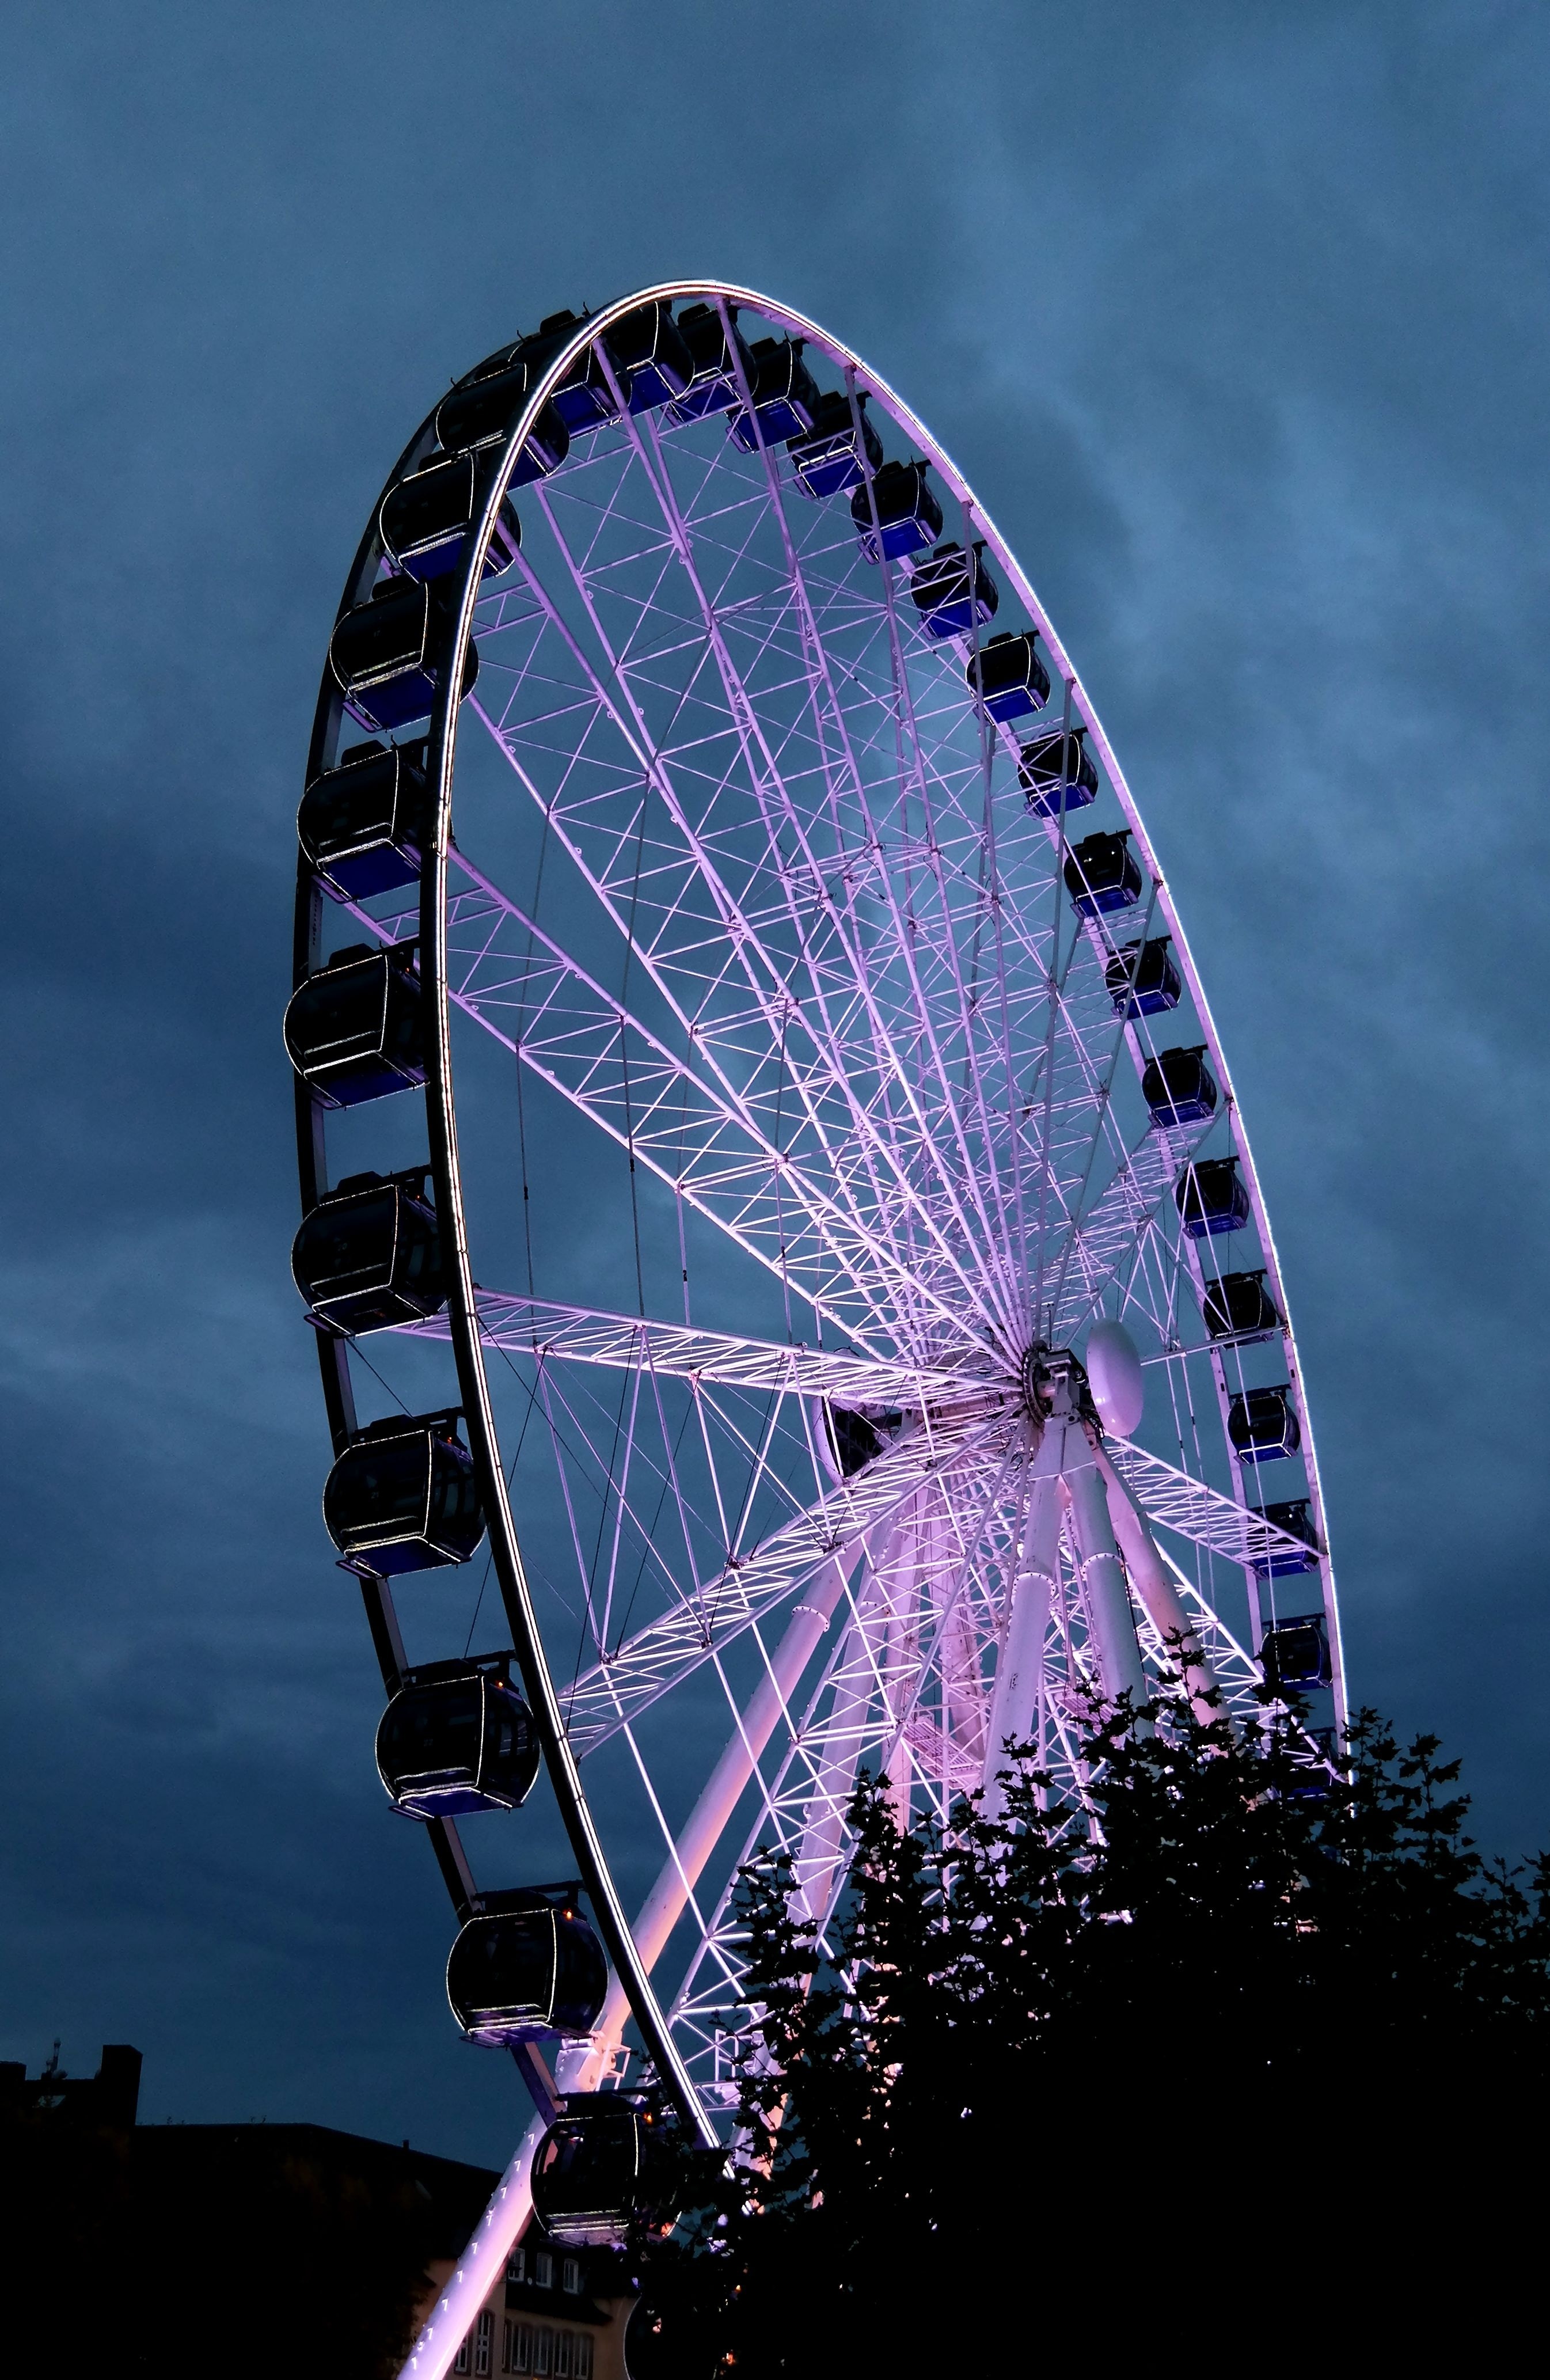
<point x="1109" y="1616"/>
<point x="904" y="1648"/>
<point x="1020" y="1669"/>
<point x="963" y="1695"/>
<point x="483" y="2260"/>
<point x="1154" y="1583"/>
<point x="669" y="1896"/>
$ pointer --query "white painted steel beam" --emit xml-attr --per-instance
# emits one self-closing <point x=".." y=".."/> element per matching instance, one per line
<point x="1150" y="1577"/>
<point x="668" y="1649"/>
<point x="583" y="1335"/>
<point x="1111" y="1620"/>
<point x="1171" y="1500"/>
<point x="1019" y="1667"/>
<point x="769" y="1704"/>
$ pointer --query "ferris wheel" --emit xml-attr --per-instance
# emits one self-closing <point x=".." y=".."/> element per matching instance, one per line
<point x="776" y="1219"/>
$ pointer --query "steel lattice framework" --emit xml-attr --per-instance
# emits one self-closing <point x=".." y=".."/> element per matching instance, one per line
<point x="745" y="877"/>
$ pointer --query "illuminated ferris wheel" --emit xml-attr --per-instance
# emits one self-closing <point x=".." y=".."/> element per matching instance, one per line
<point x="769" y="1171"/>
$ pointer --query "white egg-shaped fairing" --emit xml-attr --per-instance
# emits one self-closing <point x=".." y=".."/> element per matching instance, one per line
<point x="1114" y="1377"/>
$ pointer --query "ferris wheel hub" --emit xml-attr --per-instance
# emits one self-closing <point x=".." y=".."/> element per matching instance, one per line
<point x="1053" y="1385"/>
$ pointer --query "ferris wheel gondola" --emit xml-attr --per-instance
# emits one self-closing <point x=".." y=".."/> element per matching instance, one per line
<point x="944" y="1374"/>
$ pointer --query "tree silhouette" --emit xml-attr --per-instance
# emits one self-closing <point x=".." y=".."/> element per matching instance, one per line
<point x="1081" y="2065"/>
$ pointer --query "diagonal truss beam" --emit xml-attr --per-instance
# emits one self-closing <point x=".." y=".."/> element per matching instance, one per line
<point x="687" y="1125"/>
<point x="662" y="1655"/>
<point x="1173" y="1500"/>
<point x="582" y="1335"/>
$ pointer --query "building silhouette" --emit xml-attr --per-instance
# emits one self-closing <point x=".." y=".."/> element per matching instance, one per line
<point x="228" y="2249"/>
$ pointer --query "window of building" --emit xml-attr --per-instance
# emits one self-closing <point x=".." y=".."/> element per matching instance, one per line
<point x="570" y="2275"/>
<point x="462" y="2362"/>
<point x="522" y="2346"/>
<point x="583" y="2363"/>
<point x="543" y="2352"/>
<point x="562" y="2355"/>
<point x="506" y="2349"/>
<point x="543" y="2269"/>
<point x="517" y="2264"/>
<point x="484" y="2336"/>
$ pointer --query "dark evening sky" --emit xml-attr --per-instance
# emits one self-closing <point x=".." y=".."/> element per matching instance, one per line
<point x="1237" y="320"/>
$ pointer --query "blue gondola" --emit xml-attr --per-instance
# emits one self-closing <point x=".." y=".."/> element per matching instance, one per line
<point x="1142" y="980"/>
<point x="1056" y="774"/>
<point x="953" y="591"/>
<point x="483" y="409"/>
<point x="1008" y="676"/>
<point x="1238" y="1305"/>
<point x="651" y="357"/>
<point x="425" y="518"/>
<point x="528" y="1964"/>
<point x="828" y="459"/>
<point x="584" y="397"/>
<point x="907" y="514"/>
<point x="403" y="1497"/>
<point x="355" y="1030"/>
<point x="388" y="654"/>
<point x="1211" y="1197"/>
<point x="1103" y="875"/>
<point x="1295" y="1654"/>
<point x="1178" y="1087"/>
<point x="1263" y="1426"/>
<point x="457" y="1739"/>
<point x="605" y="2170"/>
<point x="785" y="397"/>
<point x="1286" y="1561"/>
<point x="362" y="825"/>
<point x="370" y="1255"/>
<point x="714" y="364"/>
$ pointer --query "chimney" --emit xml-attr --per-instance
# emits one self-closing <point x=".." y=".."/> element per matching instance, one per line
<point x="118" y="2092"/>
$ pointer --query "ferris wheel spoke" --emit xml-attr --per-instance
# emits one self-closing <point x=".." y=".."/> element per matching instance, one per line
<point x="805" y="1808"/>
<point x="520" y="987"/>
<point x="767" y="983"/>
<point x="931" y="1137"/>
<point x="945" y="948"/>
<point x="844" y="1739"/>
<point x="839" y="949"/>
<point x="1189" y="1508"/>
<point x="873" y="1686"/>
<point x="590" y="1461"/>
<point x="817" y="649"/>
<point x="715" y="1524"/>
<point x="738" y="929"/>
<point x="909" y="1633"/>
<point x="769" y="1707"/>
<point x="584" y="1335"/>
<point x="831" y="725"/>
<point x="522" y="971"/>
<point x="671" y="1647"/>
<point x="1097" y="1245"/>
